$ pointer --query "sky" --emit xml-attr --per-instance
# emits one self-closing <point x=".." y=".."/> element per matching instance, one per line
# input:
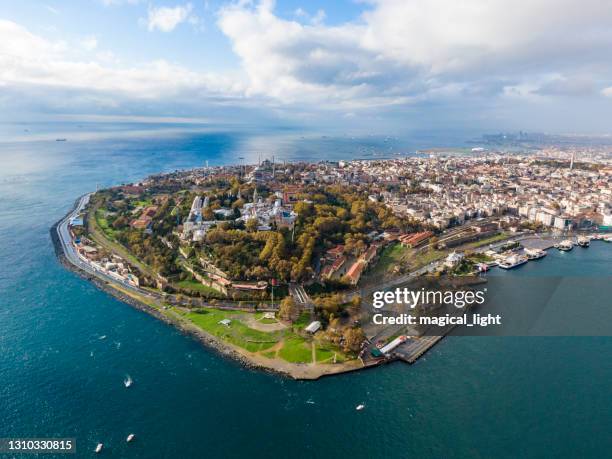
<point x="378" y="65"/>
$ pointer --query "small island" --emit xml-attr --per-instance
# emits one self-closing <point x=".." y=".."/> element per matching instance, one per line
<point x="274" y="264"/>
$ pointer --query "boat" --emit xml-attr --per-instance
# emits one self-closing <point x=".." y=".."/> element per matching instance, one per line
<point x="61" y="140"/>
<point x="129" y="438"/>
<point x="128" y="381"/>
<point x="360" y="407"/>
<point x="535" y="254"/>
<point x="513" y="261"/>
<point x="583" y="241"/>
<point x="565" y="246"/>
<point x="99" y="448"/>
<point x="597" y="237"/>
<point x="607" y="239"/>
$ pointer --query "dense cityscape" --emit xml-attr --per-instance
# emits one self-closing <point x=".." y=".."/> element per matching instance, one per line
<point x="300" y="247"/>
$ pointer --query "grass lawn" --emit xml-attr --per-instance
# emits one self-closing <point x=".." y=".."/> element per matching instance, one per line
<point x="103" y="224"/>
<point x="296" y="350"/>
<point x="426" y="257"/>
<point x="390" y="256"/>
<point x="302" y="321"/>
<point x="145" y="203"/>
<point x="324" y="353"/>
<point x="237" y="333"/>
<point x="268" y="321"/>
<point x="196" y="286"/>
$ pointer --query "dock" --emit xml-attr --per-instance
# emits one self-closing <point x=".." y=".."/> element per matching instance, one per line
<point x="412" y="350"/>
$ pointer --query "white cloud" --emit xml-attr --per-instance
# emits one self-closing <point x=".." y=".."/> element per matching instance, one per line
<point x="89" y="43"/>
<point x="402" y="51"/>
<point x="399" y="56"/>
<point x="165" y="19"/>
<point x="16" y="42"/>
<point x="27" y="60"/>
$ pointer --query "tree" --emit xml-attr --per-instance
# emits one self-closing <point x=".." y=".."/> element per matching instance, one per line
<point x="208" y="214"/>
<point x="353" y="337"/>
<point x="252" y="224"/>
<point x="289" y="310"/>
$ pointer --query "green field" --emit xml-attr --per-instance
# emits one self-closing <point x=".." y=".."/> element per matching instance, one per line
<point x="426" y="257"/>
<point x="296" y="350"/>
<point x="302" y="321"/>
<point x="236" y="333"/>
<point x="268" y="321"/>
<point x="103" y="224"/>
<point x="324" y="354"/>
<point x="390" y="256"/>
<point x="196" y="286"/>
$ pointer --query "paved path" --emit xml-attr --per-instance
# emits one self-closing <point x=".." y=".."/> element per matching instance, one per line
<point x="301" y="297"/>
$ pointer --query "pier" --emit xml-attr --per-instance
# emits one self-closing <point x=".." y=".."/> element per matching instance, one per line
<point x="414" y="348"/>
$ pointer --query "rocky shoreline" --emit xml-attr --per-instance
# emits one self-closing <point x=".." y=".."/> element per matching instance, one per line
<point x="295" y="371"/>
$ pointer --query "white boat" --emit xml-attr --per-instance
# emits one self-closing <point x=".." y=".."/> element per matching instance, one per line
<point x="565" y="246"/>
<point x="360" y="407"/>
<point x="129" y="438"/>
<point x="583" y="241"/>
<point x="128" y="381"/>
<point x="99" y="448"/>
<point x="607" y="239"/>
<point x="513" y="261"/>
<point x="535" y="254"/>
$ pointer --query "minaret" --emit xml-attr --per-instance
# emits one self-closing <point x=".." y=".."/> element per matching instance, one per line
<point x="255" y="195"/>
<point x="572" y="160"/>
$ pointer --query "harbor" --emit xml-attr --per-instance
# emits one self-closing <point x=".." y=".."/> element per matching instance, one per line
<point x="410" y="347"/>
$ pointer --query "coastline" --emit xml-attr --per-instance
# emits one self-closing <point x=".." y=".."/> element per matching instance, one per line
<point x="297" y="371"/>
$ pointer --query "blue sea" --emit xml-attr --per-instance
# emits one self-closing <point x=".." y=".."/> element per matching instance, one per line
<point x="469" y="397"/>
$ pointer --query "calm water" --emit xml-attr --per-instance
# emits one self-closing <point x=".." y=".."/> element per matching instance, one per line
<point x="469" y="397"/>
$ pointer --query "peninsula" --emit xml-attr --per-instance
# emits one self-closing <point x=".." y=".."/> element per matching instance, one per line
<point x="275" y="264"/>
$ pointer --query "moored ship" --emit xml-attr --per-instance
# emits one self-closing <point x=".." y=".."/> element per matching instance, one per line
<point x="535" y="254"/>
<point x="513" y="261"/>
<point x="565" y="246"/>
<point x="583" y="241"/>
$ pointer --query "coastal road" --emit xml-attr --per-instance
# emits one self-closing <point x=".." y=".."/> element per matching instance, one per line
<point x="64" y="236"/>
<point x="72" y="257"/>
